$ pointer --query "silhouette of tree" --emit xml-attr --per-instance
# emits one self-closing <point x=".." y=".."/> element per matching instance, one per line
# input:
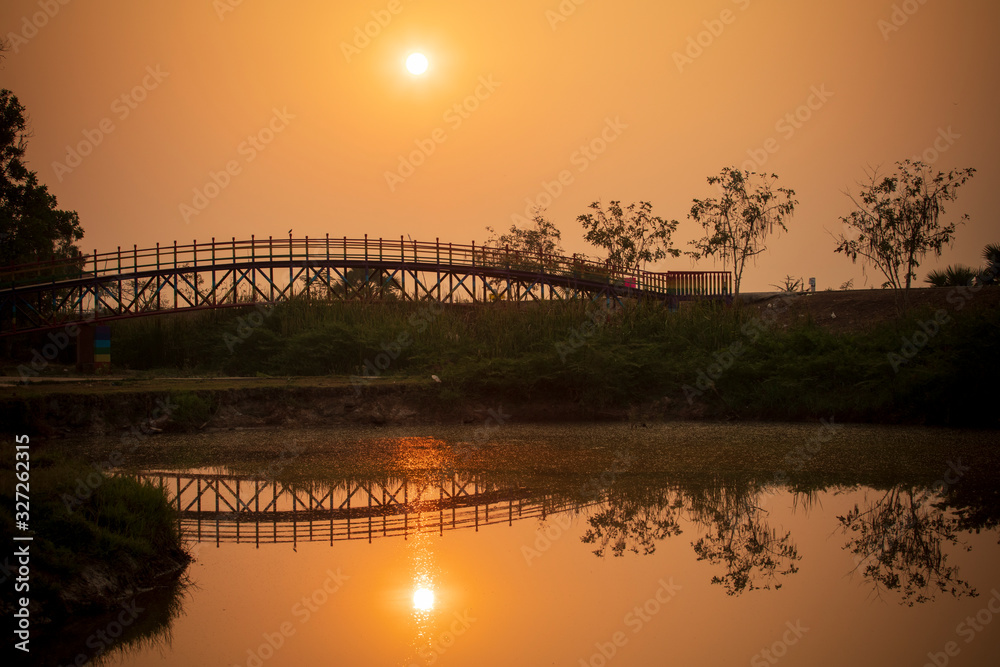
<point x="955" y="275"/>
<point x="755" y="555"/>
<point x="990" y="274"/>
<point x="738" y="221"/>
<point x="365" y="285"/>
<point x="636" y="516"/>
<point x="542" y="239"/>
<point x="632" y="236"/>
<point x="898" y="541"/>
<point x="32" y="228"/>
<point x="634" y="521"/>
<point x="898" y="219"/>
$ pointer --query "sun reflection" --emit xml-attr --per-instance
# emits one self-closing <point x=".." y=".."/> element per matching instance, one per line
<point x="423" y="599"/>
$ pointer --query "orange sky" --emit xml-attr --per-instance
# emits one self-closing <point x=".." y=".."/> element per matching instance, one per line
<point x="533" y="84"/>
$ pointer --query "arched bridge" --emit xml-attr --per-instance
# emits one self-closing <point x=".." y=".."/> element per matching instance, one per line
<point x="218" y="274"/>
<point x="232" y="508"/>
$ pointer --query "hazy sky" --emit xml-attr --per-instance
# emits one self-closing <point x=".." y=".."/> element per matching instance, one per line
<point x="134" y="106"/>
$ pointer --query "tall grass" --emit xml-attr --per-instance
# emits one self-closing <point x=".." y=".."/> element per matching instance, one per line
<point x="585" y="352"/>
<point x="87" y="522"/>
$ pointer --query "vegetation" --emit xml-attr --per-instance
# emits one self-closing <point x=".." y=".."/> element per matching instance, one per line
<point x="32" y="228"/>
<point x="792" y="285"/>
<point x="738" y="222"/>
<point x="899" y="219"/>
<point x="98" y="540"/>
<point x="955" y="275"/>
<point x="632" y="236"/>
<point x="542" y="239"/>
<point x="704" y="360"/>
<point x="990" y="274"/>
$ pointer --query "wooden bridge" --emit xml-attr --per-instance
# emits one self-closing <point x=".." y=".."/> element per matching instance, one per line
<point x="230" y="508"/>
<point x="218" y="274"/>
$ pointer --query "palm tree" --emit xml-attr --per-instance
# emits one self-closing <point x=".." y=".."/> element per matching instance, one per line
<point x="990" y="275"/>
<point x="956" y="275"/>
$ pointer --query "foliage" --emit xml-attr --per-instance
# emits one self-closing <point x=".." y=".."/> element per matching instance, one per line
<point x="542" y="239"/>
<point x="754" y="554"/>
<point x="192" y="410"/>
<point x="791" y="285"/>
<point x="737" y="222"/>
<point x="362" y="284"/>
<point x="525" y="249"/>
<point x="955" y="275"/>
<point x="990" y="274"/>
<point x="632" y="236"/>
<point x="32" y="228"/>
<point x="899" y="219"/>
<point x="88" y="523"/>
<point x="636" y="522"/>
<point x="603" y="357"/>
<point x="897" y="541"/>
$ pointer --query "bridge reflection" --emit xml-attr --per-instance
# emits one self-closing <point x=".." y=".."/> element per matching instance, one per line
<point x="242" y="509"/>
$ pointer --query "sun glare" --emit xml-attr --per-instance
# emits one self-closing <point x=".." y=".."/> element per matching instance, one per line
<point x="416" y="63"/>
<point x="423" y="599"/>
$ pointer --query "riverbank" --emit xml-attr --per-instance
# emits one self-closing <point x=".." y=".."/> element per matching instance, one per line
<point x="99" y="541"/>
<point x="779" y="358"/>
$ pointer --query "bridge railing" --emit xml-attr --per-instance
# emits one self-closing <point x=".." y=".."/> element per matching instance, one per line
<point x="360" y="252"/>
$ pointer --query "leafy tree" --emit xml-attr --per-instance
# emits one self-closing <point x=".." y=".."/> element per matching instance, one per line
<point x="632" y="236"/>
<point x="955" y="275"/>
<point x="542" y="239"/>
<point x="32" y="228"/>
<point x="899" y="219"/>
<point x="738" y="221"/>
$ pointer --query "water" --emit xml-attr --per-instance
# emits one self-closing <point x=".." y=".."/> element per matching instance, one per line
<point x="581" y="545"/>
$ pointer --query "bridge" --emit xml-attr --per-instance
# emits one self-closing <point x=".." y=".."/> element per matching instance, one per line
<point x="241" y="509"/>
<point x="220" y="274"/>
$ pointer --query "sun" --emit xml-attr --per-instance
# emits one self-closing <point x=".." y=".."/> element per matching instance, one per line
<point x="416" y="63"/>
<point x="423" y="599"/>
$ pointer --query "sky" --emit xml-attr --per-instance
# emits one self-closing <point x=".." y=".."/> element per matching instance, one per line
<point x="193" y="119"/>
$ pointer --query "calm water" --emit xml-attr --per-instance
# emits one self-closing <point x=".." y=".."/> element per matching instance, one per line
<point x="580" y="545"/>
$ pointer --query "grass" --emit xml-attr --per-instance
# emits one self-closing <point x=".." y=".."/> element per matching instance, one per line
<point x="97" y="537"/>
<point x="704" y="360"/>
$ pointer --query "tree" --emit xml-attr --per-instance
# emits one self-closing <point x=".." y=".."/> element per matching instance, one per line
<point x="632" y="236"/>
<point x="990" y="274"/>
<point x="899" y="219"/>
<point x="542" y="239"/>
<point x="737" y="222"/>
<point x="956" y="275"/>
<point x="32" y="228"/>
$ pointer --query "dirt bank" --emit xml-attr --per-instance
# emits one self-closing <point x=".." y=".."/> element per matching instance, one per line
<point x="153" y="406"/>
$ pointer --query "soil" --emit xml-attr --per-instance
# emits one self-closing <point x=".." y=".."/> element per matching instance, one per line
<point x="861" y="310"/>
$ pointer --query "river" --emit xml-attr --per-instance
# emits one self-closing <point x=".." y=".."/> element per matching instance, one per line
<point x="502" y="544"/>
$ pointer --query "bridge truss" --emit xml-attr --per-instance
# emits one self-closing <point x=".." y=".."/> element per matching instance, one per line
<point x="228" y="508"/>
<point x="219" y="274"/>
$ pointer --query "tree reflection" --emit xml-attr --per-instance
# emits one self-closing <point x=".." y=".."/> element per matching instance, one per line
<point x="634" y="521"/>
<point x="753" y="554"/>
<point x="899" y="541"/>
